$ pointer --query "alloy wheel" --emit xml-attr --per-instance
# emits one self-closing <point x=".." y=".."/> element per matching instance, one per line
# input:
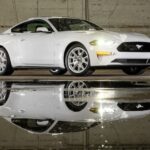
<point x="78" y="60"/>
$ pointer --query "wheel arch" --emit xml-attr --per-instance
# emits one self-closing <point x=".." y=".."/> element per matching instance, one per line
<point x="67" y="48"/>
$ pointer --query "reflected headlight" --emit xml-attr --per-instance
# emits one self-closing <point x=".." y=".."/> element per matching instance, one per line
<point x="94" y="109"/>
<point x="102" y="110"/>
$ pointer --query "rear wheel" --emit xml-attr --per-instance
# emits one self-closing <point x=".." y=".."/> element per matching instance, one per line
<point x="58" y="71"/>
<point x="133" y="70"/>
<point x="5" y="65"/>
<point x="77" y="60"/>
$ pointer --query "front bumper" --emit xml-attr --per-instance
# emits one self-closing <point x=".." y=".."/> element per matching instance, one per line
<point x="122" y="59"/>
<point x="132" y="61"/>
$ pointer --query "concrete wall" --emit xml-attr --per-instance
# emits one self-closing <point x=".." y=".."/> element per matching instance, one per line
<point x="117" y="15"/>
<point x="13" y="11"/>
<point x="122" y="15"/>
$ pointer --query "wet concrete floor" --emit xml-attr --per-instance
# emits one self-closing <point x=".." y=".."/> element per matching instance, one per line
<point x="75" y="114"/>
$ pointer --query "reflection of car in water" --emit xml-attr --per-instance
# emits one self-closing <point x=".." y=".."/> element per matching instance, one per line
<point x="71" y="106"/>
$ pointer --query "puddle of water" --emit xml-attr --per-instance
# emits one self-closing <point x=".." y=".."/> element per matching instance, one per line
<point x="75" y="115"/>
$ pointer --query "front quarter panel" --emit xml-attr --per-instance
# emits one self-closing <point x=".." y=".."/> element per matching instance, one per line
<point x="63" y="39"/>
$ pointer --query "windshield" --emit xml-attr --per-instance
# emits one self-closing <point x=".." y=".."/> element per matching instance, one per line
<point x="64" y="24"/>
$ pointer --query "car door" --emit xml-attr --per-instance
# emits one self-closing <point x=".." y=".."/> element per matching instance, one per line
<point x="35" y="48"/>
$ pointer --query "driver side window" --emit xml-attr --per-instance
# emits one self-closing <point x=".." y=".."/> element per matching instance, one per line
<point x="31" y="26"/>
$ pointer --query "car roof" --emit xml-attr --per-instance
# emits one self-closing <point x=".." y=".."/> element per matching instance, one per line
<point x="53" y="17"/>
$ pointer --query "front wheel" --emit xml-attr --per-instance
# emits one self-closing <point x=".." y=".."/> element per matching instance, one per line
<point x="133" y="70"/>
<point x="57" y="71"/>
<point x="77" y="60"/>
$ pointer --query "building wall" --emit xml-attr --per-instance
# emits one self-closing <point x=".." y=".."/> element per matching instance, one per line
<point x="116" y="15"/>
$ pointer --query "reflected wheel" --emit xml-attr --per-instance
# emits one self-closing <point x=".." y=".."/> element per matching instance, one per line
<point x="75" y="95"/>
<point x="4" y="92"/>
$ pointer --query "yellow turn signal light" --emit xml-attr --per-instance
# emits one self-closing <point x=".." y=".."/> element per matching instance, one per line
<point x="103" y="53"/>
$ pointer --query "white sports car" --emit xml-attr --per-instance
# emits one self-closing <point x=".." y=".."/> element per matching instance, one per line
<point x="74" y="45"/>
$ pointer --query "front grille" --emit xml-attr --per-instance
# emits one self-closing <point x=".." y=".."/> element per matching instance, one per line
<point x="134" y="47"/>
<point x="132" y="61"/>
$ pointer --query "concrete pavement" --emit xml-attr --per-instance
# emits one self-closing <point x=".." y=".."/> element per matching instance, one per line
<point x="44" y="74"/>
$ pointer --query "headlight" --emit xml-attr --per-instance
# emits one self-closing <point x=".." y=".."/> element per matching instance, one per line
<point x="102" y="41"/>
<point x="100" y="44"/>
<point x="93" y="43"/>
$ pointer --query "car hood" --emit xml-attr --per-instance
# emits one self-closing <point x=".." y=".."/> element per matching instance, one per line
<point x="119" y="36"/>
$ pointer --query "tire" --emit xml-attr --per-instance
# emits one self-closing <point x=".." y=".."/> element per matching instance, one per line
<point x="5" y="64"/>
<point x="77" y="60"/>
<point x="74" y="91"/>
<point x="133" y="70"/>
<point x="90" y="71"/>
<point x="58" y="71"/>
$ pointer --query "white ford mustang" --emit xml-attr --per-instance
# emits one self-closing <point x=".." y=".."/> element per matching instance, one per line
<point x="74" y="45"/>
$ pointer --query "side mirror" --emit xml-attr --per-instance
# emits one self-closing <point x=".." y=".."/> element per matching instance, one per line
<point x="42" y="29"/>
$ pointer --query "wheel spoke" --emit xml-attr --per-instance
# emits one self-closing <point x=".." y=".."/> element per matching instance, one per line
<point x="81" y="53"/>
<point x="75" y="65"/>
<point x="81" y="66"/>
<point x="84" y="61"/>
<point x="75" y="55"/>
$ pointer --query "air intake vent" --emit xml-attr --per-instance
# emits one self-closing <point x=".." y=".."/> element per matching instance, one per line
<point x="134" y="47"/>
